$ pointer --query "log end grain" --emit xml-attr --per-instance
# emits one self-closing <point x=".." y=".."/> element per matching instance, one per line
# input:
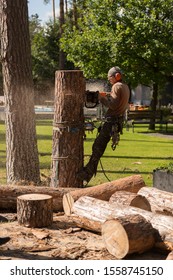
<point x="67" y="202"/>
<point x="115" y="238"/>
<point x="141" y="202"/>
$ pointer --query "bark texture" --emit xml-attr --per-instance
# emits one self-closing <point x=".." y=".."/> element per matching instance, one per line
<point x="35" y="210"/>
<point x="68" y="129"/>
<point x="160" y="201"/>
<point x="22" y="155"/>
<point x="9" y="194"/>
<point x="105" y="191"/>
<point x="130" y="199"/>
<point x="100" y="211"/>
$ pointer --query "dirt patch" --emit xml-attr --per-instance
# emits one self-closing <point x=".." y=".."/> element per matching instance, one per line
<point x="62" y="241"/>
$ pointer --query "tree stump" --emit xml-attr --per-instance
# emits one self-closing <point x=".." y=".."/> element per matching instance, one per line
<point x="35" y="210"/>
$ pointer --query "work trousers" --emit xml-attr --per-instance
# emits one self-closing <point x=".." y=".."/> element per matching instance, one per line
<point x="100" y="145"/>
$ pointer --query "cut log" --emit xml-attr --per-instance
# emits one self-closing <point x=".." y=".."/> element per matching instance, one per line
<point x="104" y="191"/>
<point x="82" y="222"/>
<point x="9" y="194"/>
<point x="35" y="210"/>
<point x="160" y="201"/>
<point x="98" y="210"/>
<point x="130" y="199"/>
<point x="127" y="235"/>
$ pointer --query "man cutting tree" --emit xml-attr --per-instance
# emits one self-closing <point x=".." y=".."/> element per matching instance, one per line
<point x="117" y="103"/>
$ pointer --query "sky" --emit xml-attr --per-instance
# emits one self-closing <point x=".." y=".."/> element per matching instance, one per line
<point x="44" y="11"/>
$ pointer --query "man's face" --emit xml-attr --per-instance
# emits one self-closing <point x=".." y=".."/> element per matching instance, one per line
<point x="112" y="80"/>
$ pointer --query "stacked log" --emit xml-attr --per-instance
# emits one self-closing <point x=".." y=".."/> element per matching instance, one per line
<point x="9" y="194"/>
<point x="91" y="213"/>
<point x="104" y="191"/>
<point x="160" y="201"/>
<point x="130" y="199"/>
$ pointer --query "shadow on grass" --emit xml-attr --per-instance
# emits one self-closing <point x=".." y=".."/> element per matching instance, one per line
<point x="44" y="137"/>
<point x="44" y="122"/>
<point x="128" y="171"/>
<point x="135" y="157"/>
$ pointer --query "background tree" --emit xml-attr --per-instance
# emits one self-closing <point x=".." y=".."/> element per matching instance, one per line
<point x="45" y="52"/>
<point x="53" y="8"/>
<point x="137" y="35"/>
<point x="22" y="155"/>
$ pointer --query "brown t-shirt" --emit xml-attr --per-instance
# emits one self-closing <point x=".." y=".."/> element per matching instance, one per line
<point x="117" y="101"/>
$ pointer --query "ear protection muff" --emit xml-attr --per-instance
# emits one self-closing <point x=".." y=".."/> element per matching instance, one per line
<point x="118" y="76"/>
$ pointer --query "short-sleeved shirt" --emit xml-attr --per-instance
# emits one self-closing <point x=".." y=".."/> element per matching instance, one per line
<point x="117" y="101"/>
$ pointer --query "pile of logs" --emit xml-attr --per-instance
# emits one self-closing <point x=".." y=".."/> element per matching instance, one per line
<point x="131" y="217"/>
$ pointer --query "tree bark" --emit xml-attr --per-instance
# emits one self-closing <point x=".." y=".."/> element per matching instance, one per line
<point x="160" y="201"/>
<point x="100" y="211"/>
<point x="105" y="191"/>
<point x="22" y="162"/>
<point x="127" y="235"/>
<point x="130" y="199"/>
<point x="9" y="194"/>
<point x="68" y="129"/>
<point x="34" y="210"/>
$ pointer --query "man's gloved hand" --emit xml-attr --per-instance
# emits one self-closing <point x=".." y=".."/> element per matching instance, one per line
<point x="102" y="94"/>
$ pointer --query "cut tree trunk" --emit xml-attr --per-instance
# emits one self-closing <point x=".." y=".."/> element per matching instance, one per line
<point x="105" y="191"/>
<point x="9" y="194"/>
<point x="127" y="235"/>
<point x="130" y="199"/>
<point x="68" y="129"/>
<point x="98" y="210"/>
<point x="160" y="201"/>
<point x="35" y="210"/>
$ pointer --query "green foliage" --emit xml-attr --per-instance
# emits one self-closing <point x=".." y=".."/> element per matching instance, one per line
<point x="166" y="167"/>
<point x="45" y="52"/>
<point x="135" y="34"/>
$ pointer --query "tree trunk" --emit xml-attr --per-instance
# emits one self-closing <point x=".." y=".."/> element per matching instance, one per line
<point x="130" y="199"/>
<point x="105" y="191"/>
<point x="154" y="104"/>
<point x="100" y="211"/>
<point x="61" y="22"/>
<point x="9" y="194"/>
<point x="127" y="235"/>
<point x="68" y="129"/>
<point x="160" y="201"/>
<point x="22" y="155"/>
<point x="35" y="210"/>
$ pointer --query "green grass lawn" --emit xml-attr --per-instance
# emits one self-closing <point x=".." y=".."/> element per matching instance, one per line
<point x="137" y="153"/>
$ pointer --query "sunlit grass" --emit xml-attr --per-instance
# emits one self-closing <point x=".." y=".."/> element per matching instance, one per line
<point x="137" y="153"/>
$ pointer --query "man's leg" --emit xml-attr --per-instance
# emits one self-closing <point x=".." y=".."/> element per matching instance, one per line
<point x="98" y="149"/>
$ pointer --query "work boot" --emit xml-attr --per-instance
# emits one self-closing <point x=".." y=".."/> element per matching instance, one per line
<point x="84" y="175"/>
<point x="4" y="240"/>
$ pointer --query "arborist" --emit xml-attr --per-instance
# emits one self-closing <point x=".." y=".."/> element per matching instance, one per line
<point x="116" y="103"/>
